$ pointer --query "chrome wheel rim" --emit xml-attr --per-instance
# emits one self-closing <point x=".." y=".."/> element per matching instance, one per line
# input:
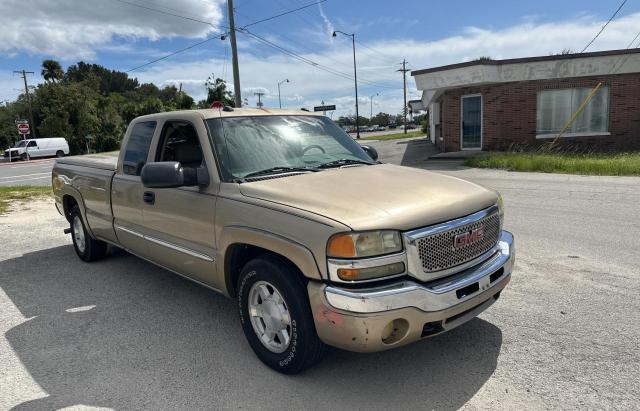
<point x="78" y="234"/>
<point x="270" y="317"/>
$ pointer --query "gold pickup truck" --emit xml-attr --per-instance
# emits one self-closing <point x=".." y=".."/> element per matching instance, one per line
<point x="318" y="242"/>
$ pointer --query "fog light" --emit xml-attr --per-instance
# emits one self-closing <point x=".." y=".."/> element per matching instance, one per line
<point x="395" y="331"/>
<point x="352" y="274"/>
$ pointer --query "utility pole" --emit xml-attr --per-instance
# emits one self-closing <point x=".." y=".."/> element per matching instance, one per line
<point x="371" y="109"/>
<point x="355" y="74"/>
<point x="259" y="94"/>
<point x="26" y="91"/>
<point x="234" y="55"/>
<point x="404" y="70"/>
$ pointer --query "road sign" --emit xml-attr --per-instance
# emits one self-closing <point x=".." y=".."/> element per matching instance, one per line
<point x="23" y="128"/>
<point x="324" y="108"/>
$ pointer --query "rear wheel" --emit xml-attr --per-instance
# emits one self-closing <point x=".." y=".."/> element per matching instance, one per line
<point x="276" y="317"/>
<point x="59" y="153"/>
<point x="86" y="247"/>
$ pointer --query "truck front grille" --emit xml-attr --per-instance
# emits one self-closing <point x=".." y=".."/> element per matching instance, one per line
<point x="437" y="251"/>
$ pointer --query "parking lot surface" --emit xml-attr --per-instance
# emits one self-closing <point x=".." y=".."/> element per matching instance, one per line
<point x="123" y="334"/>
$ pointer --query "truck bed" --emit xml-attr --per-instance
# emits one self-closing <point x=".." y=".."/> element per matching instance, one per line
<point x="103" y="161"/>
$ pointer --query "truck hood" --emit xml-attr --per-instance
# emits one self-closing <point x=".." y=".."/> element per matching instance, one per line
<point x="376" y="197"/>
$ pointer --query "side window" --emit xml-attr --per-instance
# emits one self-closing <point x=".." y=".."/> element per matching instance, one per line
<point x="179" y="142"/>
<point x="137" y="148"/>
<point x="32" y="144"/>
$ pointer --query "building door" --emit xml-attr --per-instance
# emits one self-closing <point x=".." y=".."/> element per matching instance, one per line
<point x="471" y="126"/>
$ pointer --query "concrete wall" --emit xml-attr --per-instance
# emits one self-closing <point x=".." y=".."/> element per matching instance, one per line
<point x="509" y="113"/>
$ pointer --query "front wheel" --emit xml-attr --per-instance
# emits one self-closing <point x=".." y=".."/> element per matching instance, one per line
<point x="276" y="317"/>
<point x="59" y="153"/>
<point x="23" y="157"/>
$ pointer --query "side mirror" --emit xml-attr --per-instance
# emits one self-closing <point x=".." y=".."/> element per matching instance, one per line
<point x="169" y="174"/>
<point x="372" y="152"/>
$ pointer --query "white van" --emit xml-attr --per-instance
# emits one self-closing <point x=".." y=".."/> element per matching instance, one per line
<point x="38" y="147"/>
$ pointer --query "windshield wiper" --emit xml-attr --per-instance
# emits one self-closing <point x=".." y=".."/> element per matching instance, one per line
<point x="342" y="162"/>
<point x="277" y="170"/>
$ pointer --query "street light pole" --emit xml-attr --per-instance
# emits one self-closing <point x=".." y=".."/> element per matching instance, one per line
<point x="371" y="109"/>
<point x="280" y="82"/>
<point x="355" y="74"/>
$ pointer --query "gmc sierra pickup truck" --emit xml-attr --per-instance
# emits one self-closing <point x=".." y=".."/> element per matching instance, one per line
<point x="318" y="243"/>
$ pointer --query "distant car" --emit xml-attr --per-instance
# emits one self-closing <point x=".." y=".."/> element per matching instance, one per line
<point x="38" y="147"/>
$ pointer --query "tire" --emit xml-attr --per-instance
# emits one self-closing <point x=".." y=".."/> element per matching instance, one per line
<point x="23" y="157"/>
<point x="87" y="248"/>
<point x="270" y="275"/>
<point x="59" y="153"/>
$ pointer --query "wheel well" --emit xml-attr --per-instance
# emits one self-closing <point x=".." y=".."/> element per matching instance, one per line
<point x="237" y="255"/>
<point x="68" y="202"/>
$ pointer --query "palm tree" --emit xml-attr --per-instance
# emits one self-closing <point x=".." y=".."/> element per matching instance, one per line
<point x="51" y="70"/>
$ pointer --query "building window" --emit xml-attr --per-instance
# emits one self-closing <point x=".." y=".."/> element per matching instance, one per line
<point x="555" y="108"/>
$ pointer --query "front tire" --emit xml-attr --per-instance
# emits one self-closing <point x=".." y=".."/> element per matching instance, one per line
<point x="59" y="153"/>
<point x="23" y="157"/>
<point x="276" y="317"/>
<point x="86" y="247"/>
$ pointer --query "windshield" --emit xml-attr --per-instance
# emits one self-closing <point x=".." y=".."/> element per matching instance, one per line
<point x="19" y="144"/>
<point x="248" y="145"/>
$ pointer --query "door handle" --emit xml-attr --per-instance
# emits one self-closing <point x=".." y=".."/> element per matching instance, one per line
<point x="149" y="197"/>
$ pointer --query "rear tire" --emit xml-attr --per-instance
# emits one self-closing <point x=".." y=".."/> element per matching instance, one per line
<point x="86" y="247"/>
<point x="59" y="153"/>
<point x="274" y="292"/>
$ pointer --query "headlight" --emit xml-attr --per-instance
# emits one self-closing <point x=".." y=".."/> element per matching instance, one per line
<point x="367" y="244"/>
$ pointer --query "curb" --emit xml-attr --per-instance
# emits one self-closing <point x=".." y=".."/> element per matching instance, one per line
<point x="7" y="163"/>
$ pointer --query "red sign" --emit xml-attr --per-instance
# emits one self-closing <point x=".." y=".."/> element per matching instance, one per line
<point x="23" y="128"/>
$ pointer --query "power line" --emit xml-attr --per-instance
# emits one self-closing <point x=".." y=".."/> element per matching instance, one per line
<point x="166" y="12"/>
<point x="605" y="26"/>
<point x="309" y="61"/>
<point x="283" y="14"/>
<point x="633" y="41"/>
<point x="215" y="36"/>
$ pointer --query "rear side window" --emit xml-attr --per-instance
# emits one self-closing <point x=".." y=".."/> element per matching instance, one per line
<point x="137" y="149"/>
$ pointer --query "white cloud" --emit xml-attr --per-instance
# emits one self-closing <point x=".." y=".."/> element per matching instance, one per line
<point x="261" y="69"/>
<point x="74" y="29"/>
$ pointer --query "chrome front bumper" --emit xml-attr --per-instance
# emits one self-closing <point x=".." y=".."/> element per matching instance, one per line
<point x="355" y="319"/>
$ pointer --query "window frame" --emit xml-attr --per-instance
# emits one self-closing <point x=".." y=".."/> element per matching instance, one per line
<point x="124" y="152"/>
<point x="161" y="140"/>
<point x="569" y="134"/>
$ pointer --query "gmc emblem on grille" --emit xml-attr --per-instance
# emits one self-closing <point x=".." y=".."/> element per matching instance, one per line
<point x="469" y="237"/>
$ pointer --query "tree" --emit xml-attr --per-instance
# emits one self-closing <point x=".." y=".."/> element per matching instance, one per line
<point x="381" y="119"/>
<point x="52" y="71"/>
<point x="217" y="91"/>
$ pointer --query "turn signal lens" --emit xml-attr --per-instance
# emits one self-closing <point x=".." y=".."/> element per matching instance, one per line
<point x="341" y="246"/>
<point x="365" y="244"/>
<point x="353" y="274"/>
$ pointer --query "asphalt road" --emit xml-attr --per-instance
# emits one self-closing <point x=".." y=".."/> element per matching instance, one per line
<point x="19" y="173"/>
<point x="123" y="334"/>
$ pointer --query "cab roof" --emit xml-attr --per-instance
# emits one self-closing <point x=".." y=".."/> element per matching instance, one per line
<point x="232" y="112"/>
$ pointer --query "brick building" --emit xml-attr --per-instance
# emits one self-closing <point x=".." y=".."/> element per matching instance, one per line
<point x="492" y="104"/>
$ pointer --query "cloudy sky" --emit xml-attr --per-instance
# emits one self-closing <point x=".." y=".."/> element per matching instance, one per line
<point x="125" y="34"/>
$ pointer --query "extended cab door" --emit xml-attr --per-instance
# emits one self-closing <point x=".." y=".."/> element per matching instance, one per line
<point x="179" y="222"/>
<point x="126" y="188"/>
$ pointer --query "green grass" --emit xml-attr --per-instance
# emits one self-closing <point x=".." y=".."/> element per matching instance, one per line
<point x="588" y="164"/>
<point x="20" y="193"/>
<point x="410" y="134"/>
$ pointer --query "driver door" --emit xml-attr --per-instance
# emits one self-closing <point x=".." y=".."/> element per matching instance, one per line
<point x="179" y="222"/>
